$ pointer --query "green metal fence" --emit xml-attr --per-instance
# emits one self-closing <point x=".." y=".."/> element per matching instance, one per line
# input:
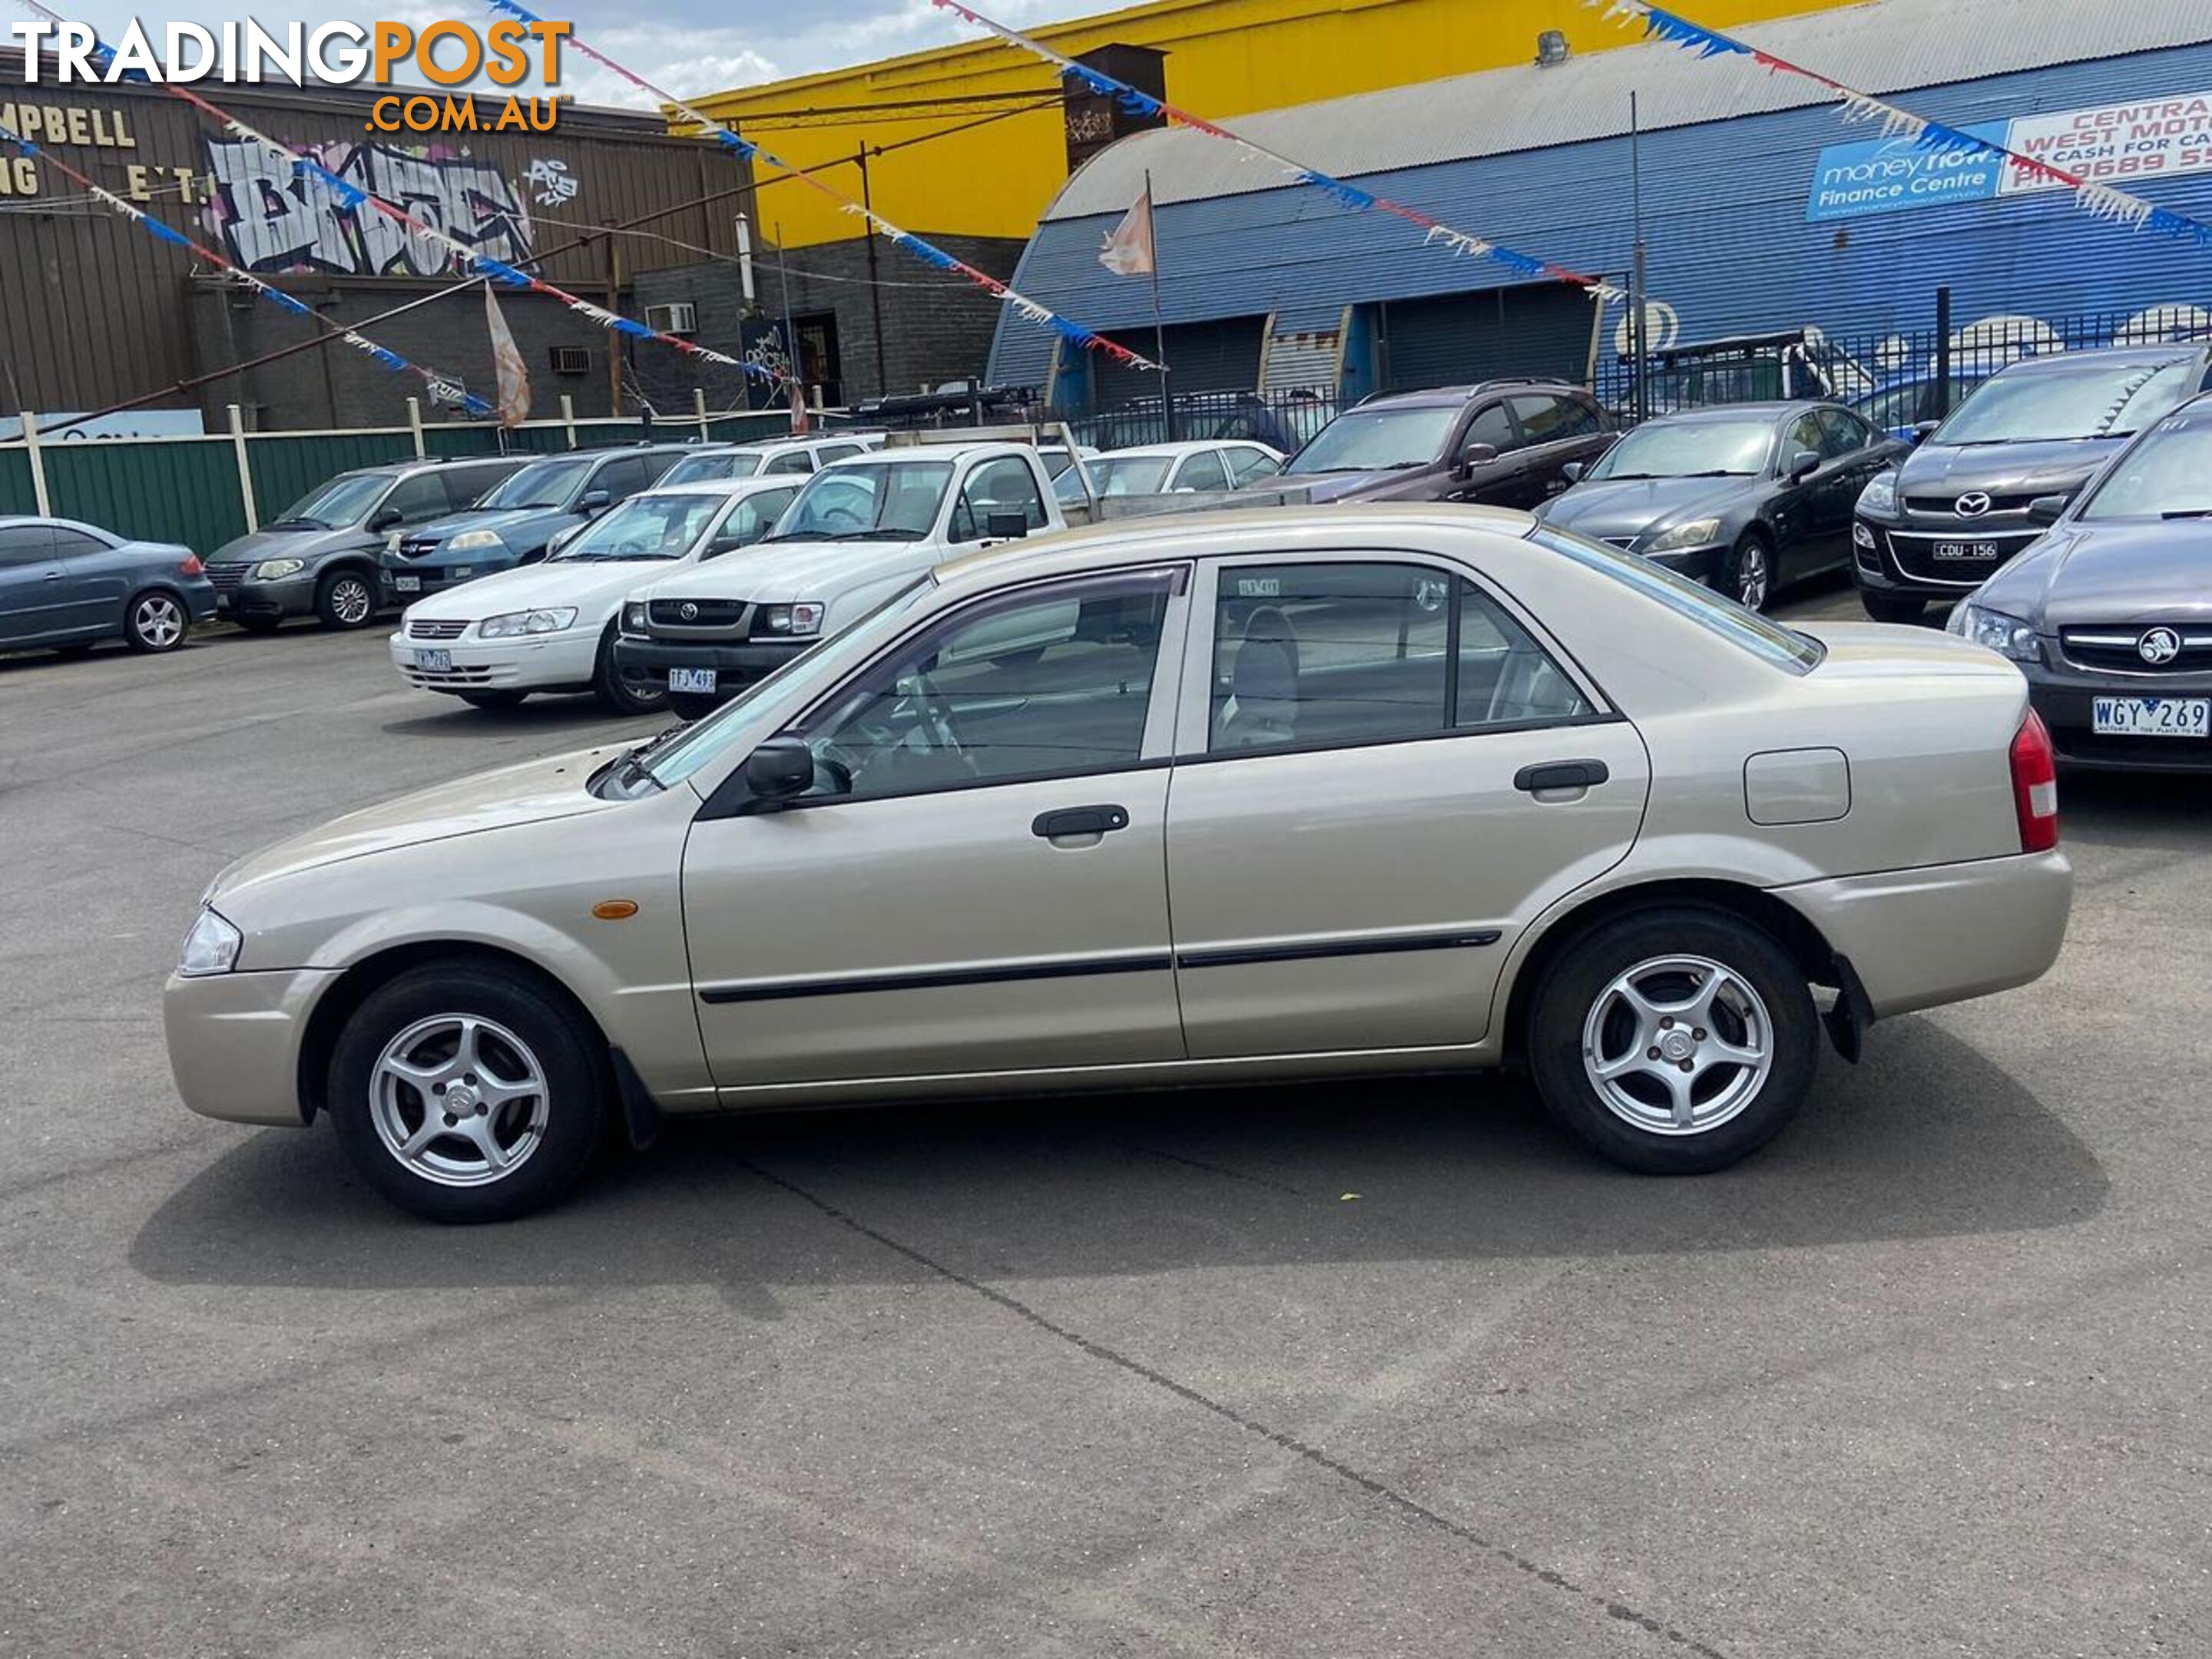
<point x="190" y="490"/>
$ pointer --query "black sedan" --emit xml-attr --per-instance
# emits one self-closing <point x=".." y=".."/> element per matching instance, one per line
<point x="2110" y="614"/>
<point x="1748" y="497"/>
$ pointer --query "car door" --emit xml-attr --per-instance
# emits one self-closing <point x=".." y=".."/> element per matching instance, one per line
<point x="1496" y="481"/>
<point x="1357" y="831"/>
<point x="31" y="577"/>
<point x="622" y="478"/>
<point x="1852" y="453"/>
<point x="976" y="881"/>
<point x="1556" y="431"/>
<point x="95" y="581"/>
<point x="1800" y="513"/>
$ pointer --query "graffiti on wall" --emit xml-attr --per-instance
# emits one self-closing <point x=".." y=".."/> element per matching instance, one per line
<point x="271" y="219"/>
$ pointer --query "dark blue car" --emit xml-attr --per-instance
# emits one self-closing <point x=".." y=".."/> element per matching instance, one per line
<point x="518" y="522"/>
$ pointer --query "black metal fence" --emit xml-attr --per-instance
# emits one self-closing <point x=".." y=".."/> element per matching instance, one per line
<point x="1284" y="417"/>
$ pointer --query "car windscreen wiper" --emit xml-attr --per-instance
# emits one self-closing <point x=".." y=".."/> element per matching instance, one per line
<point x="295" y="524"/>
<point x="804" y="536"/>
<point x="2188" y="513"/>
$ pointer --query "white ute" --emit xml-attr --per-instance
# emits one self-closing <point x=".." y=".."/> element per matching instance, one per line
<point x="861" y="531"/>
<point x="551" y="627"/>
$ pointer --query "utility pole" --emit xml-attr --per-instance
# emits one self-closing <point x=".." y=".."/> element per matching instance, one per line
<point x="875" y="287"/>
<point x="1159" y="330"/>
<point x="1640" y="399"/>
<point x="783" y="272"/>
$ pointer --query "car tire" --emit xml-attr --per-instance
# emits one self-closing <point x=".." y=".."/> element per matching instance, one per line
<point x="346" y="600"/>
<point x="1750" y="573"/>
<point x="155" y="622"/>
<point x="258" y="624"/>
<point x="615" y="691"/>
<point x="538" y="1101"/>
<point x="691" y="706"/>
<point x="494" y="699"/>
<point x="1893" y="607"/>
<point x="1591" y="1042"/>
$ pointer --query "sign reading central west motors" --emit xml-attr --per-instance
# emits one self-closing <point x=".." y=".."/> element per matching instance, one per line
<point x="2116" y="144"/>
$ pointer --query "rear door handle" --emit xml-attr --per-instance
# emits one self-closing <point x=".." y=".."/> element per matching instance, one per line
<point x="1080" y="821"/>
<point x="1561" y="774"/>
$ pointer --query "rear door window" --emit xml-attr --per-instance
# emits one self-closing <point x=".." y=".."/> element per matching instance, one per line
<point x="1548" y="418"/>
<point x="621" y="478"/>
<point x="466" y="485"/>
<point x="74" y="543"/>
<point x="1202" y="470"/>
<point x="418" y="498"/>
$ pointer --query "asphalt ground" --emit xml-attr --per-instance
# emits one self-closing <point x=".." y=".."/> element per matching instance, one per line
<point x="1383" y="1370"/>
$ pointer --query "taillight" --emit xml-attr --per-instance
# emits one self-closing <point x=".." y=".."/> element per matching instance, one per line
<point x="2035" y="785"/>
<point x="192" y="566"/>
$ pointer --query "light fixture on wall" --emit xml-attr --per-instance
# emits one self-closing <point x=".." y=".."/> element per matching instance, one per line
<point x="1552" y="46"/>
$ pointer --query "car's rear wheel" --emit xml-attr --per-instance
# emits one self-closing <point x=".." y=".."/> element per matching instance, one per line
<point x="1893" y="607"/>
<point x="618" y="693"/>
<point x="494" y="699"/>
<point x="465" y="1094"/>
<point x="690" y="705"/>
<point x="1676" y="1040"/>
<point x="345" y="600"/>
<point x="1751" y="572"/>
<point x="155" y="622"/>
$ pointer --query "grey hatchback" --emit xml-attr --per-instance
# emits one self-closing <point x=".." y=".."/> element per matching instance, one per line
<point x="67" y="586"/>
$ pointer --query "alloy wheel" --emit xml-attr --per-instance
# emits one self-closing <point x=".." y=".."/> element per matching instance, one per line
<point x="459" y="1100"/>
<point x="1751" y="576"/>
<point x="350" y="599"/>
<point x="159" y="621"/>
<point x="1678" y="1045"/>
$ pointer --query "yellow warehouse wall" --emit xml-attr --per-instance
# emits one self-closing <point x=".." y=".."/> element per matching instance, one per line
<point x="1225" y="59"/>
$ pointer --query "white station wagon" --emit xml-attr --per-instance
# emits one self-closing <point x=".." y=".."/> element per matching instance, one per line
<point x="1242" y="796"/>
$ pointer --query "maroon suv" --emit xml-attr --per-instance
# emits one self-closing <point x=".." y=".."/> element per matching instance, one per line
<point x="1505" y="443"/>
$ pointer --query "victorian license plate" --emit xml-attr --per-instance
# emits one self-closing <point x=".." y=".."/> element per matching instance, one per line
<point x="691" y="679"/>
<point x="1966" y="550"/>
<point x="407" y="584"/>
<point x="436" y="662"/>
<point x="2152" y="717"/>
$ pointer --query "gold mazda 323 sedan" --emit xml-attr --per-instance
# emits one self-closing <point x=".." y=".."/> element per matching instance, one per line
<point x="1198" y="799"/>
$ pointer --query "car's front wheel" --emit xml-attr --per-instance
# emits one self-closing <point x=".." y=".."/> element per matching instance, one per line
<point x="155" y="622"/>
<point x="1751" y="572"/>
<point x="345" y="600"/>
<point x="466" y="1093"/>
<point x="618" y="694"/>
<point x="1674" y="1041"/>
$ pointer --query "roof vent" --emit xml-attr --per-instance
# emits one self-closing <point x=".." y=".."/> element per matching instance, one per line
<point x="1552" y="46"/>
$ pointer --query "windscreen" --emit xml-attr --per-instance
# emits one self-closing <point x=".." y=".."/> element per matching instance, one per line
<point x="345" y="499"/>
<point x="541" y="484"/>
<point x="1690" y="449"/>
<point x="1378" y="441"/>
<point x="893" y="501"/>
<point x="644" y="527"/>
<point x="2168" y="475"/>
<point x="2052" y="405"/>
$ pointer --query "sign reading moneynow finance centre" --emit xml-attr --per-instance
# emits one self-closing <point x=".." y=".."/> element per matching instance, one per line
<point x="2126" y="145"/>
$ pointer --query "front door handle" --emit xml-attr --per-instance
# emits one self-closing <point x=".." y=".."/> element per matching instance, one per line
<point x="1079" y="820"/>
<point x="1560" y="775"/>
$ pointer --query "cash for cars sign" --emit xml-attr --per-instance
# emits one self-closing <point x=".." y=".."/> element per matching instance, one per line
<point x="2123" y="145"/>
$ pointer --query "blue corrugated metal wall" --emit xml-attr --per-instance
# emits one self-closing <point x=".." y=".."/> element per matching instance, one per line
<point x="1729" y="244"/>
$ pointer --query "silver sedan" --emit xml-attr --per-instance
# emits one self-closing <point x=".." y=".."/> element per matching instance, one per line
<point x="1215" y="799"/>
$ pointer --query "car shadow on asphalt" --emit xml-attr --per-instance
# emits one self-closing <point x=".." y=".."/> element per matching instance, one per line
<point x="1927" y="1138"/>
<point x="554" y="712"/>
<point x="2138" y="810"/>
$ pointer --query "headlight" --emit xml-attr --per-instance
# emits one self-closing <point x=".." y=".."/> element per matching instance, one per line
<point x="1861" y="537"/>
<point x="633" y="619"/>
<point x="1879" y="499"/>
<point x="270" y="570"/>
<point x="1697" y="533"/>
<point x="2008" y="637"/>
<point x="525" y="621"/>
<point x="210" y="948"/>
<point x="470" y="541"/>
<point x="803" y="618"/>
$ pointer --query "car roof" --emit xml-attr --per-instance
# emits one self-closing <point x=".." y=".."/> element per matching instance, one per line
<point x="731" y="487"/>
<point x="1183" y="446"/>
<point x="1143" y="541"/>
<point x="1771" y="409"/>
<point x="2107" y="358"/>
<point x="1431" y="396"/>
<point x="928" y="453"/>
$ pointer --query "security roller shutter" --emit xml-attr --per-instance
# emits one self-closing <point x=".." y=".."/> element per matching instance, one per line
<point x="1454" y="339"/>
<point x="1216" y="356"/>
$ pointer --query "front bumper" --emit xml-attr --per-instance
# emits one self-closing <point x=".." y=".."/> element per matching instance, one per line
<point x="1700" y="564"/>
<point x="1901" y="559"/>
<point x="1919" y="938"/>
<point x="2066" y="696"/>
<point x="235" y="1042"/>
<point x="648" y="661"/>
<point x="291" y="596"/>
<point x="535" y="662"/>
<point x="438" y="573"/>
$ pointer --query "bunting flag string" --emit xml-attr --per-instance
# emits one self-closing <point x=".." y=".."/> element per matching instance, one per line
<point x="352" y="197"/>
<point x="1436" y="233"/>
<point x="905" y="240"/>
<point x="443" y="388"/>
<point x="2098" y="201"/>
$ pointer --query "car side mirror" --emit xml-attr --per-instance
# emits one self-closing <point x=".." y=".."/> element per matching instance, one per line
<point x="1007" y="526"/>
<point x="1921" y="429"/>
<point x="2047" y="509"/>
<point x="594" y="500"/>
<point x="385" y="518"/>
<point x="779" y="768"/>
<point x="1572" y="472"/>
<point x="1803" y="464"/>
<point x="1472" y="456"/>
